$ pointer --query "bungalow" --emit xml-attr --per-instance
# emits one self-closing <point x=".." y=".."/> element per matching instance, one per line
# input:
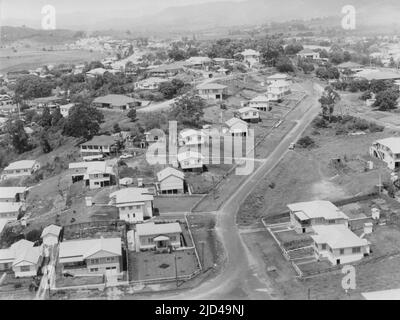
<point x="19" y="169"/>
<point x="350" y="66"/>
<point x="96" y="174"/>
<point x="8" y="109"/>
<point x="250" y="57"/>
<point x="191" y="137"/>
<point x="237" y="127"/>
<point x="115" y="101"/>
<point x="277" y="77"/>
<point x="223" y="61"/>
<point x="151" y="83"/>
<point x="11" y="210"/>
<point x="377" y="74"/>
<point x="22" y="258"/>
<point x="171" y="181"/>
<point x="65" y="109"/>
<point x="260" y="103"/>
<point x="134" y="204"/>
<point x="213" y="91"/>
<point x="198" y="62"/>
<point x="308" y="54"/>
<point x="154" y="135"/>
<point x="305" y="215"/>
<point x="278" y="90"/>
<point x="160" y="236"/>
<point x="165" y="71"/>
<point x="13" y="194"/>
<point x="94" y="256"/>
<point x="338" y="244"/>
<point x="190" y="161"/>
<point x="249" y="114"/>
<point x="96" y="72"/>
<point x="51" y="235"/>
<point x="99" y="145"/>
<point x="387" y="150"/>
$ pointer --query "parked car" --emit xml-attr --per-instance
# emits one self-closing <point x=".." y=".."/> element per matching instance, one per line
<point x="126" y="156"/>
<point x="292" y="146"/>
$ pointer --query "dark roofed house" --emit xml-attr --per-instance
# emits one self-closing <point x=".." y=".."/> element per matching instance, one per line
<point x="98" y="145"/>
<point x="114" y="101"/>
<point x="168" y="70"/>
<point x="211" y="91"/>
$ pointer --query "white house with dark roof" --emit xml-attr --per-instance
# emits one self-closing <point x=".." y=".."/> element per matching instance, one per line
<point x="91" y="256"/>
<point x="95" y="174"/>
<point x="22" y="258"/>
<point x="387" y="150"/>
<point x="249" y="114"/>
<point x="277" y="90"/>
<point x="198" y="62"/>
<point x="250" y="57"/>
<point x="191" y="137"/>
<point x="305" y="215"/>
<point x="65" y="109"/>
<point x="11" y="210"/>
<point x="338" y="244"/>
<point x="13" y="194"/>
<point x="160" y="236"/>
<point x="23" y="168"/>
<point x="171" y="181"/>
<point x="211" y="91"/>
<point x="277" y="77"/>
<point x="308" y="54"/>
<point x="151" y="83"/>
<point x="134" y="204"/>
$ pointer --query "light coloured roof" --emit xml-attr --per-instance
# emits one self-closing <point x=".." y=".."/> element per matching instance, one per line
<point x="51" y="229"/>
<point x="100" y="141"/>
<point x="190" y="132"/>
<point x="20" y="165"/>
<point x="149" y="229"/>
<point x="114" y="100"/>
<point x="233" y="121"/>
<point x="22" y="252"/>
<point x="393" y="294"/>
<point x="376" y="74"/>
<point x="67" y="106"/>
<point x="198" y="60"/>
<point x="250" y="52"/>
<point x="349" y="65"/>
<point x="306" y="51"/>
<point x="11" y="192"/>
<point x="91" y="166"/>
<point x="130" y="195"/>
<point x="169" y="171"/>
<point x="10" y="206"/>
<point x="279" y="84"/>
<point x="260" y="98"/>
<point x="97" y="71"/>
<point x="278" y="76"/>
<point x="317" y="209"/>
<point x="211" y="86"/>
<point x="247" y="109"/>
<point x="152" y="80"/>
<point x="337" y="236"/>
<point x="189" y="155"/>
<point x="392" y="143"/>
<point x="78" y="250"/>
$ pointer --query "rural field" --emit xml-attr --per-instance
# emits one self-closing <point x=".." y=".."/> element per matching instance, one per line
<point x="31" y="59"/>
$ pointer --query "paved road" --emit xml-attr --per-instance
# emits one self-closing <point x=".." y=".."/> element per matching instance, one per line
<point x="49" y="275"/>
<point x="242" y="277"/>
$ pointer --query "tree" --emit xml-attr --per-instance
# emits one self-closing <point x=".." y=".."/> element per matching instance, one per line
<point x="116" y="128"/>
<point x="284" y="64"/>
<point x="45" y="119"/>
<point x="44" y="142"/>
<point x="306" y="142"/>
<point x="293" y="48"/>
<point x="170" y="89"/>
<point x="188" y="111"/>
<point x="271" y="51"/>
<point x="328" y="100"/>
<point x="132" y="114"/>
<point x="56" y="117"/>
<point x="83" y="121"/>
<point x="18" y="137"/>
<point x="31" y="86"/>
<point x="387" y="100"/>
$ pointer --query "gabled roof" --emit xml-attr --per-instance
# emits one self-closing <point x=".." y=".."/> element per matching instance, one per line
<point x="21" y="165"/>
<point x="22" y="252"/>
<point x="317" y="209"/>
<point x="100" y="141"/>
<point x="349" y="65"/>
<point x="260" y="98"/>
<point x="129" y="195"/>
<point x="169" y="171"/>
<point x="191" y="132"/>
<point x="11" y="192"/>
<point x="51" y="229"/>
<point x="392" y="143"/>
<point x="79" y="250"/>
<point x="278" y="76"/>
<point x="189" y="155"/>
<point x="114" y="100"/>
<point x="306" y="51"/>
<point x="211" y="86"/>
<point x="197" y="60"/>
<point x="149" y="229"/>
<point x="247" y="109"/>
<point x="337" y="236"/>
<point x="279" y="84"/>
<point x="250" y="52"/>
<point x="233" y="121"/>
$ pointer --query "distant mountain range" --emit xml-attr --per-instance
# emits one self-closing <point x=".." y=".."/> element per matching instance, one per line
<point x="227" y="14"/>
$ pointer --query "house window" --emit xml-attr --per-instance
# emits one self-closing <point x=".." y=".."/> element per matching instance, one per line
<point x="25" y="268"/>
<point x="356" y="250"/>
<point x="95" y="261"/>
<point x="341" y="252"/>
<point x="94" y="269"/>
<point x="137" y="207"/>
<point x="110" y="259"/>
<point x="323" y="246"/>
<point x="130" y="207"/>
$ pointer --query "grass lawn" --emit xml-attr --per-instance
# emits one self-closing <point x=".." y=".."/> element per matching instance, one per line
<point x="175" y="203"/>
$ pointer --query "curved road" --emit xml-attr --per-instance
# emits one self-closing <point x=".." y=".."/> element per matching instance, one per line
<point x="242" y="277"/>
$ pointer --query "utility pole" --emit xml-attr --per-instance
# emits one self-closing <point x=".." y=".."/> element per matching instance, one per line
<point x="202" y="243"/>
<point x="176" y="271"/>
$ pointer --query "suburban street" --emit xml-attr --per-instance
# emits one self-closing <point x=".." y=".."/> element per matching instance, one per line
<point x="242" y="277"/>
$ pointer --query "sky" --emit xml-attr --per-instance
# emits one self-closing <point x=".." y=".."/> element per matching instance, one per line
<point x="18" y="12"/>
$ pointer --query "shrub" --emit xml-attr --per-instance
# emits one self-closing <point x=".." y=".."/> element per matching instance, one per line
<point x="306" y="142"/>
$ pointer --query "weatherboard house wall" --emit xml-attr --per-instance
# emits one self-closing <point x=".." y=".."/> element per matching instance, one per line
<point x="19" y="169"/>
<point x="387" y="150"/>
